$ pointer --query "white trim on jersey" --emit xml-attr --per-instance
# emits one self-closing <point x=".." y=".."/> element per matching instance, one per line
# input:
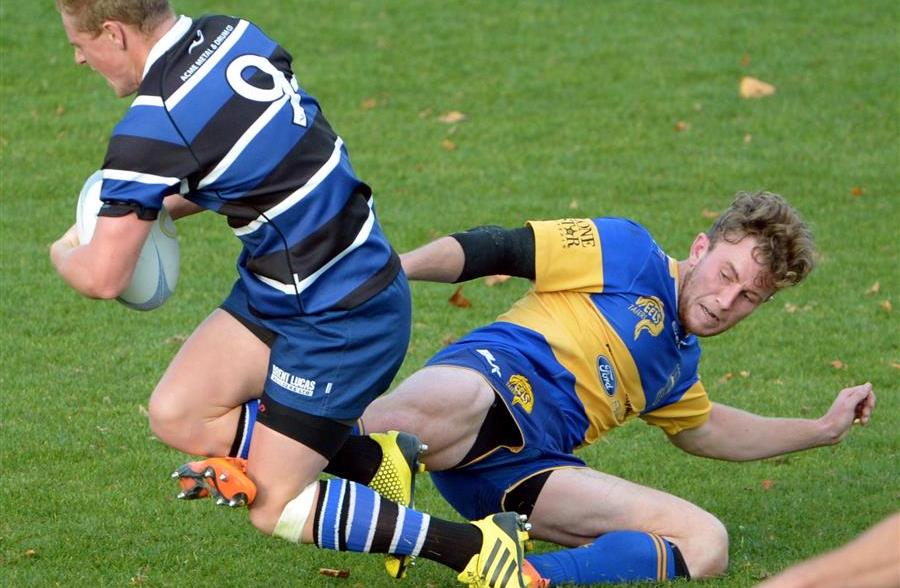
<point x="148" y="101"/>
<point x="167" y="41"/>
<point x="300" y="285"/>
<point x="298" y="194"/>
<point x="258" y="125"/>
<point x="207" y="66"/>
<point x="130" y="176"/>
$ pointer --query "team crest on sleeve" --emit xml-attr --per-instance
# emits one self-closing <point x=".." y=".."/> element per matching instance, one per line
<point x="650" y="313"/>
<point x="522" y="394"/>
<point x="576" y="232"/>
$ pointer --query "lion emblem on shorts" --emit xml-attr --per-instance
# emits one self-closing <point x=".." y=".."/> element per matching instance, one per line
<point x="522" y="394"/>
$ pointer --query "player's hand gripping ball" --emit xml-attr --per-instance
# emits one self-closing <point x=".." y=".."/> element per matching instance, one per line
<point x="156" y="272"/>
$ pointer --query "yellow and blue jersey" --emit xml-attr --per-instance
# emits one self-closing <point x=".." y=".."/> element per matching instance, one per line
<point x="597" y="338"/>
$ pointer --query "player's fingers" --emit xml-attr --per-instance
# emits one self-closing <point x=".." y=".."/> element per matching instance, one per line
<point x="863" y="409"/>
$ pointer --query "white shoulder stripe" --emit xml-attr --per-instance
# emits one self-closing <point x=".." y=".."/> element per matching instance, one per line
<point x="298" y="195"/>
<point x="148" y="101"/>
<point x="130" y="176"/>
<point x="208" y="65"/>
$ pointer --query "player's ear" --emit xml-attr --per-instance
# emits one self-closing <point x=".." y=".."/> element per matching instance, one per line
<point x="116" y="33"/>
<point x="699" y="248"/>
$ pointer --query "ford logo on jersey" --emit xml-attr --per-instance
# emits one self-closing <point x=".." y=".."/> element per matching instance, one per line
<point x="607" y="375"/>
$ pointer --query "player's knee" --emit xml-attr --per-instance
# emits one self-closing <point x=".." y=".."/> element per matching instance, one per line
<point x="165" y="416"/>
<point x="171" y="422"/>
<point x="708" y="556"/>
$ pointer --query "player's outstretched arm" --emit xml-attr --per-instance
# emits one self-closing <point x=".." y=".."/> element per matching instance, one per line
<point x="737" y="435"/>
<point x="103" y="267"/>
<point x="478" y="252"/>
<point x="438" y="261"/>
<point x="872" y="560"/>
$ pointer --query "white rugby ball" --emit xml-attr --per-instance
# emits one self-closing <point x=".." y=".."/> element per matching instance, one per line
<point x="156" y="272"/>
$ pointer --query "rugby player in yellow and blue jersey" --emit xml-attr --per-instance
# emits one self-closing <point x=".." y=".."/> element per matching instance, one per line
<point x="609" y="333"/>
<point x="317" y="322"/>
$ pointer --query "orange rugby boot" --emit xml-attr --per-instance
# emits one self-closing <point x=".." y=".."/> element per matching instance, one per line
<point x="222" y="478"/>
<point x="532" y="576"/>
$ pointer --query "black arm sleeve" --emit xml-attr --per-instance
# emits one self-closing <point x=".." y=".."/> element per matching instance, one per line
<point x="120" y="208"/>
<point x="493" y="250"/>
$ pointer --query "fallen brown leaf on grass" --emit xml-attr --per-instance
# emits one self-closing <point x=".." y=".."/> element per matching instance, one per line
<point x="886" y="306"/>
<point x="744" y="374"/>
<point x="454" y="116"/>
<point x="727" y="377"/>
<point x="895" y="365"/>
<point x="856" y="191"/>
<point x="709" y="214"/>
<point x="768" y="485"/>
<point x="459" y="300"/>
<point x="496" y="279"/>
<point x="838" y="364"/>
<point x="573" y="205"/>
<point x="682" y="126"/>
<point x="448" y="145"/>
<point x="753" y="88"/>
<point x="368" y="104"/>
<point x="334" y="573"/>
<point x="790" y="308"/>
<point x="745" y="59"/>
<point x="874" y="289"/>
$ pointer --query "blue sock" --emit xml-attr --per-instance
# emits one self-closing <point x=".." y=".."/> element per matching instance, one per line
<point x="619" y="556"/>
<point x="371" y="524"/>
<point x="246" y="422"/>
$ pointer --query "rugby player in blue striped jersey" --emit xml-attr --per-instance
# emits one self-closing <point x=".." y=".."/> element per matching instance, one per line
<point x="318" y="320"/>
<point x="608" y="334"/>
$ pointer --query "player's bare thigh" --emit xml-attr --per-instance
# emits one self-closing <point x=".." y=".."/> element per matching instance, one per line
<point x="578" y="505"/>
<point x="442" y="405"/>
<point x="197" y="402"/>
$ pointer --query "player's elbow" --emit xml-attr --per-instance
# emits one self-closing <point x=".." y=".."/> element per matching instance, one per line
<point x="105" y="281"/>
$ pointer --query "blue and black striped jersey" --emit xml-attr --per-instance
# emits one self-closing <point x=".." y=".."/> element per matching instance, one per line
<point x="221" y="119"/>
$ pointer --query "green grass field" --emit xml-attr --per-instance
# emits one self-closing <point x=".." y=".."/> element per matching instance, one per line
<point x="571" y="109"/>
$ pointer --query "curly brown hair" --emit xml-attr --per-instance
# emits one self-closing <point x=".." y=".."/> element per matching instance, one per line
<point x="91" y="14"/>
<point x="785" y="245"/>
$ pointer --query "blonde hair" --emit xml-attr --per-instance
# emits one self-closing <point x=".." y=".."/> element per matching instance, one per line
<point x="785" y="245"/>
<point x="90" y="15"/>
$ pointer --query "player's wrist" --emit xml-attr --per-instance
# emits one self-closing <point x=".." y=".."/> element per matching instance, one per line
<point x="828" y="431"/>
